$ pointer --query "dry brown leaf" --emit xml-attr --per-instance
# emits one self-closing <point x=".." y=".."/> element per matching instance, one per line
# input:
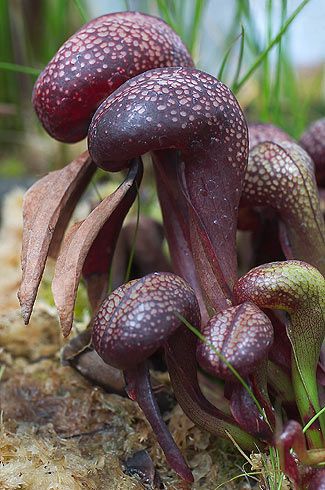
<point x="47" y="209"/>
<point x="89" y="246"/>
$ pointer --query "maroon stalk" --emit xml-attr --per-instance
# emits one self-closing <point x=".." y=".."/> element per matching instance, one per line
<point x="199" y="118"/>
<point x="244" y="410"/>
<point x="176" y="216"/>
<point x="131" y="324"/>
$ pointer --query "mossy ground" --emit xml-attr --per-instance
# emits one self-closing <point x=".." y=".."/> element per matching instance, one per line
<point x="60" y="432"/>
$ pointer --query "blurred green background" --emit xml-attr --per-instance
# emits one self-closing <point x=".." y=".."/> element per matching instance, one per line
<point x="248" y="44"/>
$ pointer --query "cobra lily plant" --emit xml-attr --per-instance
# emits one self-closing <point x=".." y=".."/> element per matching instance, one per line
<point x="127" y="82"/>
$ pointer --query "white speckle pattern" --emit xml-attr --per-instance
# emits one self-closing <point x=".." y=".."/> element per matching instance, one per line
<point x="291" y="285"/>
<point x="241" y="334"/>
<point x="96" y="60"/>
<point x="138" y="317"/>
<point x="283" y="178"/>
<point x="299" y="289"/>
<point x="167" y="99"/>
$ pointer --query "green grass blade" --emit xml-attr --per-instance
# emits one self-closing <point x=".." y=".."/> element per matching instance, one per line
<point x="81" y="10"/>
<point x="250" y="474"/>
<point x="4" y="65"/>
<point x="8" y="83"/>
<point x="240" y="58"/>
<point x="166" y="13"/>
<point x="252" y="39"/>
<point x="278" y="71"/>
<point x="2" y="370"/>
<point x="279" y="487"/>
<point x="226" y="56"/>
<point x="195" y="28"/>
<point x="313" y="419"/>
<point x="273" y="43"/>
<point x="266" y="73"/>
